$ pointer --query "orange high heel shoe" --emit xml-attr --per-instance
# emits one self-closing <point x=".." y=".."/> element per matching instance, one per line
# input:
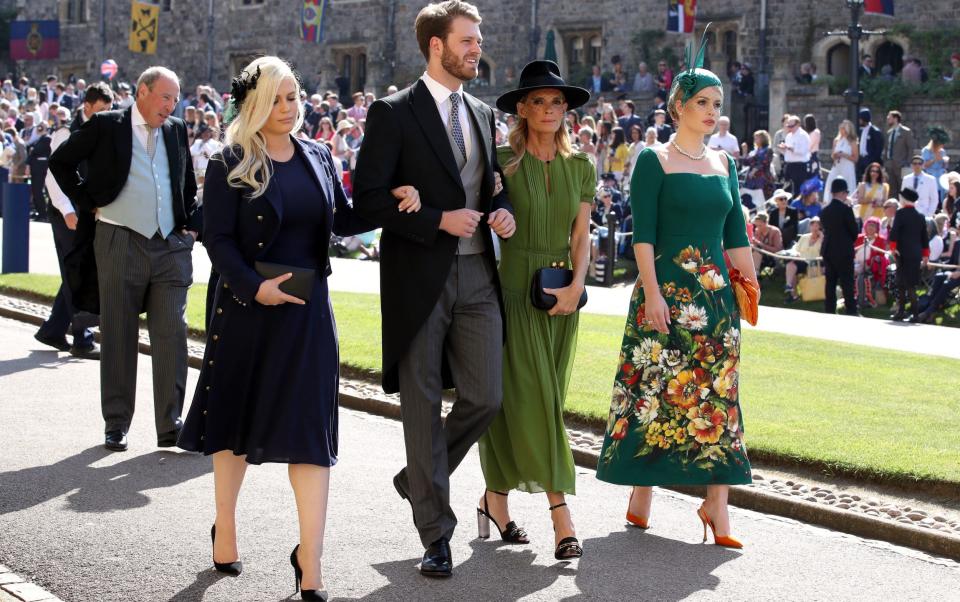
<point x="720" y="540"/>
<point x="633" y="519"/>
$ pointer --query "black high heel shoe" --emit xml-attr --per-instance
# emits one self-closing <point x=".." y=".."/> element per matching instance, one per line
<point x="230" y="568"/>
<point x="305" y="594"/>
<point x="512" y="534"/>
<point x="569" y="547"/>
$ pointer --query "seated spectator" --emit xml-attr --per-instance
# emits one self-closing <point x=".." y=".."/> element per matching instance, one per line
<point x="889" y="212"/>
<point x="644" y="84"/>
<point x="586" y="141"/>
<point x="784" y="217"/>
<point x="870" y="260"/>
<point x="806" y="247"/>
<point x="650" y="139"/>
<point x="936" y="229"/>
<point x="808" y="205"/>
<point x="759" y="163"/>
<point x="365" y="243"/>
<point x="945" y="282"/>
<point x="765" y="238"/>
<point x="723" y="140"/>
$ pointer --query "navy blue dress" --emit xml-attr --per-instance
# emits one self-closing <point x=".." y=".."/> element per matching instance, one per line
<point x="268" y="387"/>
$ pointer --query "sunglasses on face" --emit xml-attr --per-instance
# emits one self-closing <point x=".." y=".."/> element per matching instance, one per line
<point x="917" y="163"/>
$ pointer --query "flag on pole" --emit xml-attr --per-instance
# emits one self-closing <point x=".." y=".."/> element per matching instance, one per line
<point x="311" y="20"/>
<point x="680" y="15"/>
<point x="144" y="27"/>
<point x="34" y="40"/>
<point x="879" y="7"/>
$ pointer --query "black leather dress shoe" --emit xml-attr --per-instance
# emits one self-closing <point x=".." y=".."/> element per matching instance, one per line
<point x="59" y="344"/>
<point x="437" y="561"/>
<point x="91" y="352"/>
<point x="116" y="441"/>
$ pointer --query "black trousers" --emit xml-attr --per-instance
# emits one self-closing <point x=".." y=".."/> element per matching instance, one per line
<point x="839" y="271"/>
<point x="62" y="314"/>
<point x="796" y="173"/>
<point x="943" y="285"/>
<point x="38" y="172"/>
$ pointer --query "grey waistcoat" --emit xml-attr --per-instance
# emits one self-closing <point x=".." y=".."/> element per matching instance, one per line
<point x="471" y="175"/>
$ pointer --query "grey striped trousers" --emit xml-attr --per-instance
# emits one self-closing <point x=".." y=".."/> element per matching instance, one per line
<point x="139" y="275"/>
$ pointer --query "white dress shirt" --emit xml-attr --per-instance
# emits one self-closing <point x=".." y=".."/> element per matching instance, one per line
<point x="727" y="142"/>
<point x="202" y="151"/>
<point x="57" y="197"/>
<point x="799" y="141"/>
<point x="441" y="95"/>
<point x="926" y="187"/>
<point x="864" y="136"/>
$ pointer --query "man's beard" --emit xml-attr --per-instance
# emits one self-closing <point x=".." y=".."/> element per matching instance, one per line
<point x="456" y="66"/>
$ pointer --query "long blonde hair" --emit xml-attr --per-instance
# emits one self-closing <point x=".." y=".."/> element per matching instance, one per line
<point x="845" y="130"/>
<point x="255" y="169"/>
<point x="518" y="142"/>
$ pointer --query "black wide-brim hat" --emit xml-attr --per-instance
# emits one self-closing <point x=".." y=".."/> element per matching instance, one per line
<point x="538" y="75"/>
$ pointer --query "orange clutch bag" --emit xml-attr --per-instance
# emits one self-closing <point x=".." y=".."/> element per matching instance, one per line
<point x="748" y="296"/>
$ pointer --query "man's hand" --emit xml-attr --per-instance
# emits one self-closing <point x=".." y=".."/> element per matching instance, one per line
<point x="502" y="223"/>
<point x="71" y="220"/>
<point x="461" y="223"/>
<point x="497" y="183"/>
<point x="192" y="233"/>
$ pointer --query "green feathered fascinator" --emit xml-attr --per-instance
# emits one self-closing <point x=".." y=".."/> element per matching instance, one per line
<point x="695" y="78"/>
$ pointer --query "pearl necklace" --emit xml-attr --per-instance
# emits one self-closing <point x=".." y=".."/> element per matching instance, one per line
<point x="688" y="155"/>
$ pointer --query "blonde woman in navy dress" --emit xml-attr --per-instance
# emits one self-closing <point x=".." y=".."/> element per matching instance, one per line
<point x="268" y="388"/>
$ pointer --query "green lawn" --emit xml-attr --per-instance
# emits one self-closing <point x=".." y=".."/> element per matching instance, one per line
<point x="859" y="410"/>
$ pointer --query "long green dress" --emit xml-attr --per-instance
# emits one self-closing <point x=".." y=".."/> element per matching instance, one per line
<point x="526" y="447"/>
<point x="675" y="414"/>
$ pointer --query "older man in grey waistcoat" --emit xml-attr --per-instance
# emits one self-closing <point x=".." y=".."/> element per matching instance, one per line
<point x="142" y="191"/>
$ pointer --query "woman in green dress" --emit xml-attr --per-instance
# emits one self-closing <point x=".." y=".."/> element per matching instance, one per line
<point x="675" y="415"/>
<point x="552" y="188"/>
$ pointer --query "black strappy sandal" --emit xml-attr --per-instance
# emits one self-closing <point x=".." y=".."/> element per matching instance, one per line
<point x="569" y="547"/>
<point x="511" y="534"/>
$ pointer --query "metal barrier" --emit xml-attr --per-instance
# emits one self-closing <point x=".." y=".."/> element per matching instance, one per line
<point x="16" y="228"/>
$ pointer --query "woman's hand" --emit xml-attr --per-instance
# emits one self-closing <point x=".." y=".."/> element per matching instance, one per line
<point x="568" y="298"/>
<point x="409" y="198"/>
<point x="269" y="292"/>
<point x="657" y="313"/>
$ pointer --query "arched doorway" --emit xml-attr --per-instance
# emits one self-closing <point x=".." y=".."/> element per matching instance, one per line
<point x="889" y="53"/>
<point x="838" y="61"/>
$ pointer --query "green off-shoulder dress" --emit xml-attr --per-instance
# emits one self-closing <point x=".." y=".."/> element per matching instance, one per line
<point x="675" y="415"/>
<point x="526" y="447"/>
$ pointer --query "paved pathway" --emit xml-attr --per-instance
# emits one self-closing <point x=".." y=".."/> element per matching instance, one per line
<point x="87" y="524"/>
<point x="363" y="277"/>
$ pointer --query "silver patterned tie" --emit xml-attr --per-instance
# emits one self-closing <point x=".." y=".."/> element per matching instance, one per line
<point x="455" y="124"/>
<point x="151" y="141"/>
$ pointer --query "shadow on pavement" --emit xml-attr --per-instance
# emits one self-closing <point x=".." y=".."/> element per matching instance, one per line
<point x="48" y="359"/>
<point x="195" y="591"/>
<point x="655" y="568"/>
<point x="119" y="486"/>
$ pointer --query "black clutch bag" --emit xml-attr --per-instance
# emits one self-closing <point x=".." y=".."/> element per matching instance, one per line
<point x="300" y="285"/>
<point x="551" y="278"/>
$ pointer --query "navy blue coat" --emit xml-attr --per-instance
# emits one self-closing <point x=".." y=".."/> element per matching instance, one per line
<point x="238" y="230"/>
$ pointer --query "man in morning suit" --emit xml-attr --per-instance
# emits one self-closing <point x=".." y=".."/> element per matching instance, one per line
<point x="899" y="149"/>
<point x="871" y="144"/>
<point x="440" y="294"/>
<point x="141" y="185"/>
<point x="65" y="221"/>
<point x="839" y="235"/>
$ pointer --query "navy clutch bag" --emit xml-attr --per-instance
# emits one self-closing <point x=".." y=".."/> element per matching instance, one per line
<point x="551" y="278"/>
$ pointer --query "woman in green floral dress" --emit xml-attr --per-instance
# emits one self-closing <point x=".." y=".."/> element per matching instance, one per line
<point x="675" y="416"/>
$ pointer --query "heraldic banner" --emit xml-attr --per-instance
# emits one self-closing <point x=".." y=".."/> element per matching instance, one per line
<point x="311" y="20"/>
<point x="144" y="27"/>
<point x="34" y="40"/>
